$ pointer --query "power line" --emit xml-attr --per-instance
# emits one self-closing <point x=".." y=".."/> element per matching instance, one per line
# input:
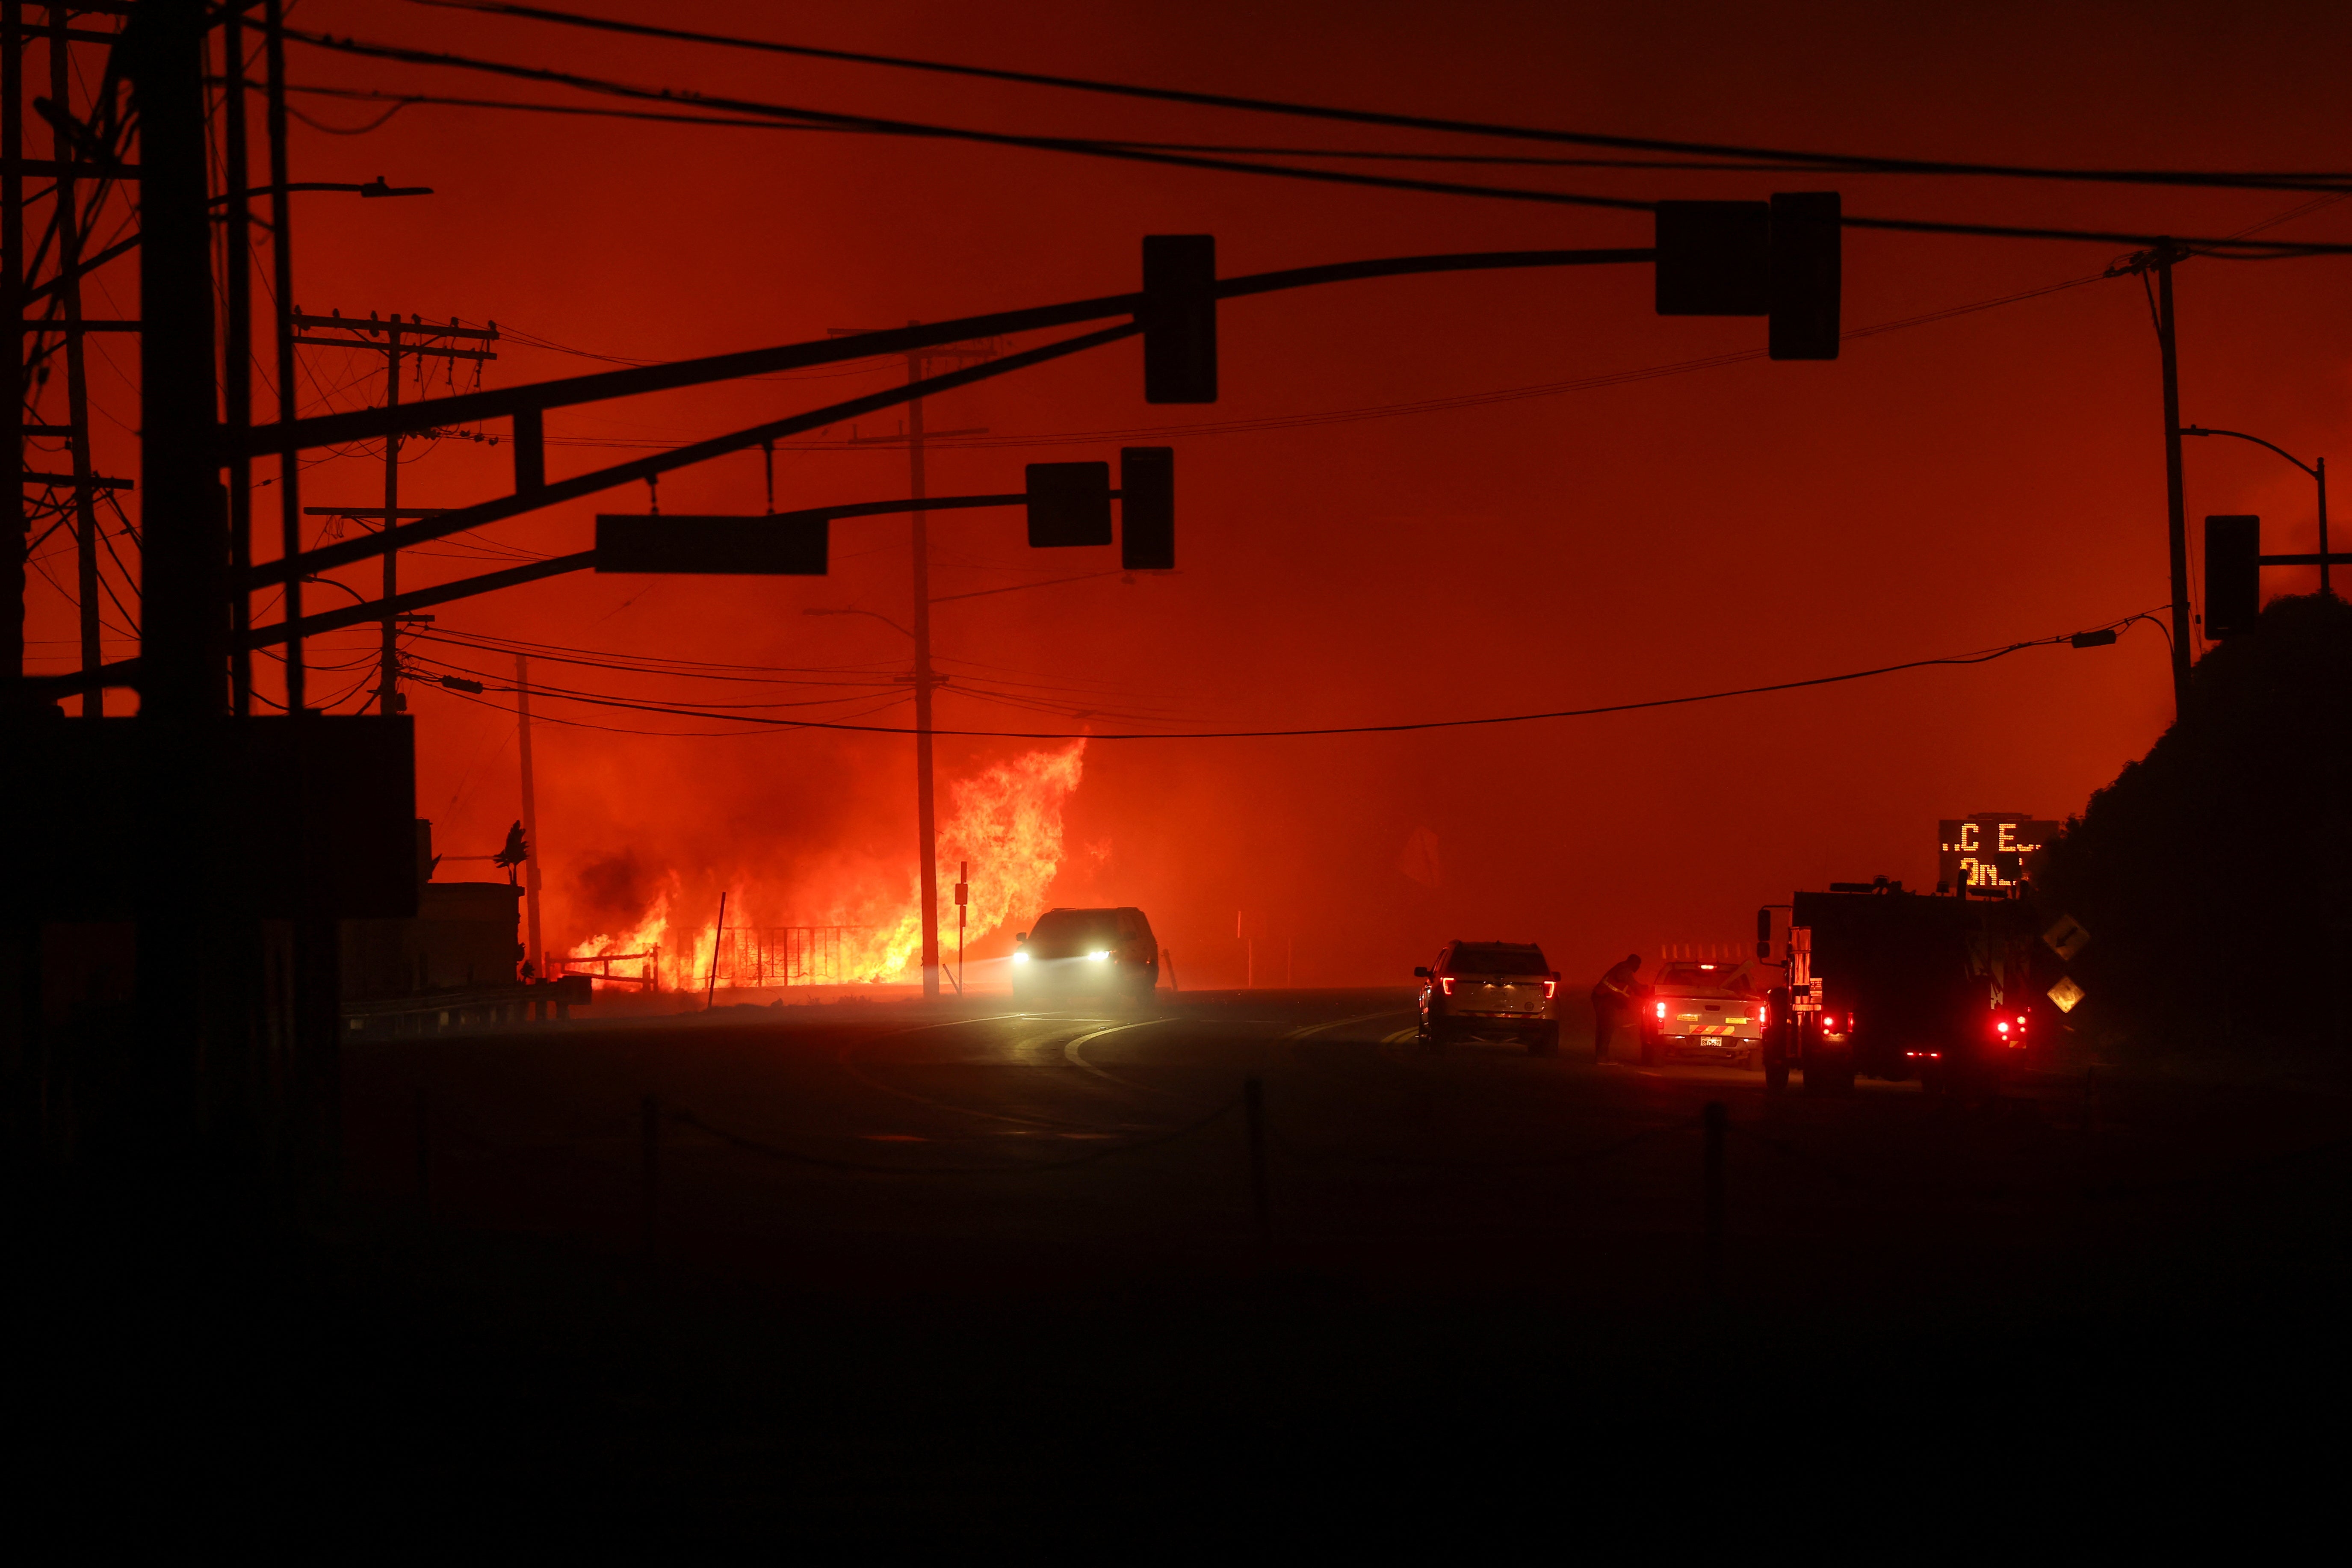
<point x="1825" y="161"/>
<point x="400" y="100"/>
<point x="1099" y="149"/>
<point x="1394" y="410"/>
<point x="1985" y="657"/>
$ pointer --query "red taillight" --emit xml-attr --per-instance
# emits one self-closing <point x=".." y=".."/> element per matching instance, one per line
<point x="1551" y="986"/>
<point x="2004" y="1026"/>
<point x="1446" y="984"/>
<point x="1662" y="1012"/>
<point x="1764" y="1016"/>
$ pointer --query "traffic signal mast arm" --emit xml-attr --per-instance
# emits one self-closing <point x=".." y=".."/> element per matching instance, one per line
<point x="1174" y="312"/>
<point x="373" y="424"/>
<point x="366" y="612"/>
<point x="532" y="497"/>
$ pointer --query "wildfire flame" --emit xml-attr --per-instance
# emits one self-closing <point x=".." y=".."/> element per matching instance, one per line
<point x="1005" y="820"/>
<point x="646" y="937"/>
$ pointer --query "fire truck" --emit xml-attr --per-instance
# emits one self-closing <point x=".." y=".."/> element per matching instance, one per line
<point x="1888" y="983"/>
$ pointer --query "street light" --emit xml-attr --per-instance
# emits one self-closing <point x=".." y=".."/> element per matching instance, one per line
<point x="2318" y="470"/>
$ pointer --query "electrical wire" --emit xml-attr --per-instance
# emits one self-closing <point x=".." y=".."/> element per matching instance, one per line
<point x="1982" y="657"/>
<point x="1822" y="161"/>
<point x="1091" y="148"/>
<point x="539" y="718"/>
<point x="1370" y="154"/>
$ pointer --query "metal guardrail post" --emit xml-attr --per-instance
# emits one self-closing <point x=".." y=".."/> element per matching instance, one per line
<point x="649" y="1125"/>
<point x="423" y="1155"/>
<point x="1717" y="1120"/>
<point x="1253" y="1105"/>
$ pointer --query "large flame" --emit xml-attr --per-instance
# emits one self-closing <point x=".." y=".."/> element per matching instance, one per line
<point x="645" y="938"/>
<point x="1007" y="824"/>
<point x="1005" y="821"/>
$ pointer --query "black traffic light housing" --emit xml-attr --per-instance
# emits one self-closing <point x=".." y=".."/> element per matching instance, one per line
<point x="2233" y="574"/>
<point x="1715" y="258"/>
<point x="1069" y="504"/>
<point x="1180" y="318"/>
<point x="724" y="546"/>
<point x="1147" y="509"/>
<point x="1781" y="260"/>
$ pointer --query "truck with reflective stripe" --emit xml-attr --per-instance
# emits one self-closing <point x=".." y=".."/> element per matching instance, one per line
<point x="1709" y="1012"/>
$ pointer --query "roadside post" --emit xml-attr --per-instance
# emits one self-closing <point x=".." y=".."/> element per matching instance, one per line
<point x="1253" y="1105"/>
<point x="1717" y="1120"/>
<point x="649" y="1135"/>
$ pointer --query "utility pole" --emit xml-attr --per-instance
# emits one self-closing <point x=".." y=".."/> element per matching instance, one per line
<point x="415" y="340"/>
<point x="190" y="960"/>
<point x="68" y="231"/>
<point x="927" y="849"/>
<point x="2176" y="504"/>
<point x="12" y="300"/>
<point x="926" y="828"/>
<point x="532" y="954"/>
<point x="236" y="365"/>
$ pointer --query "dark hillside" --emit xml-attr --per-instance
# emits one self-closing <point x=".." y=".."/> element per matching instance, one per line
<point x="2215" y="874"/>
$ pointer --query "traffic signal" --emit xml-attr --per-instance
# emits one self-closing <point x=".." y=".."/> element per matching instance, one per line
<point x="1807" y="253"/>
<point x="1180" y="318"/>
<point x="1778" y="258"/>
<point x="724" y="546"/>
<point x="1714" y="258"/>
<point x="1069" y="503"/>
<point x="1147" y="509"/>
<point x="2233" y="574"/>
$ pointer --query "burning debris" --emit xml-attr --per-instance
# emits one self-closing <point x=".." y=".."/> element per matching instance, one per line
<point x="1005" y="819"/>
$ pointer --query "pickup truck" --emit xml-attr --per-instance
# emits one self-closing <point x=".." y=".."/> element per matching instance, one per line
<point x="1490" y="988"/>
<point x="1712" y="1012"/>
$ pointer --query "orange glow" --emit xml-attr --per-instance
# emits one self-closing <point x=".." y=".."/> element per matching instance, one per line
<point x="1004" y="820"/>
<point x="645" y="938"/>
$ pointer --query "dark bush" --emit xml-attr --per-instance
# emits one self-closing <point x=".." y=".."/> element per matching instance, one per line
<point x="2215" y="874"/>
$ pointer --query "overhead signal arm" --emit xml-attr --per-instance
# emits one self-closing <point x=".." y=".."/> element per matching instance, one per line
<point x="1174" y="312"/>
<point x="1060" y="499"/>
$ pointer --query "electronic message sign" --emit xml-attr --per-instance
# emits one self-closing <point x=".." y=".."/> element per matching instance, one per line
<point x="1990" y="853"/>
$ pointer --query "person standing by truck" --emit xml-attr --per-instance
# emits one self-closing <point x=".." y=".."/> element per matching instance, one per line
<point x="1613" y="1002"/>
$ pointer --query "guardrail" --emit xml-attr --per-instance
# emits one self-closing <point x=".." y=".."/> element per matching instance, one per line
<point x="441" y="1011"/>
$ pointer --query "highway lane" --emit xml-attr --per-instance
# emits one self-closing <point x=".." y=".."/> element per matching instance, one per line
<point x="535" y="1130"/>
<point x="851" y="1150"/>
<point x="971" y="1272"/>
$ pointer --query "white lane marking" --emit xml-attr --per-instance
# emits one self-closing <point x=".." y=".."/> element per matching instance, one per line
<point x="1072" y="1054"/>
<point x="843" y="1060"/>
<point x="1305" y="1029"/>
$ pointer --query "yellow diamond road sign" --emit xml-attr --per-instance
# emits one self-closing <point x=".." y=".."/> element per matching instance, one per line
<point x="2066" y="993"/>
<point x="2068" y="937"/>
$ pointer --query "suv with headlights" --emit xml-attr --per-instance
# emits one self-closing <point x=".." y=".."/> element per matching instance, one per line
<point x="1086" y="953"/>
<point x="1493" y="989"/>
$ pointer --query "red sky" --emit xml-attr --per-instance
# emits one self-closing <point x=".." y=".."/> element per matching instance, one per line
<point x="1939" y="489"/>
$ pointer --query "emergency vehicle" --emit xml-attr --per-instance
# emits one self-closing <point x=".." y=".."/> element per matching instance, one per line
<point x="1897" y="985"/>
<point x="1704" y="1012"/>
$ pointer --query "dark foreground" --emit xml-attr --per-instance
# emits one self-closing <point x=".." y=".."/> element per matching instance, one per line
<point x="896" y="1277"/>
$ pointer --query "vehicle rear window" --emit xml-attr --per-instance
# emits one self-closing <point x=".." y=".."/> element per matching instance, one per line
<point x="1720" y="977"/>
<point x="1468" y="960"/>
<point x="1072" y="933"/>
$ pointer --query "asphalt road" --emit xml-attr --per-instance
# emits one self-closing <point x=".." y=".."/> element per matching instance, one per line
<point x="853" y="1152"/>
<point x="877" y="1273"/>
